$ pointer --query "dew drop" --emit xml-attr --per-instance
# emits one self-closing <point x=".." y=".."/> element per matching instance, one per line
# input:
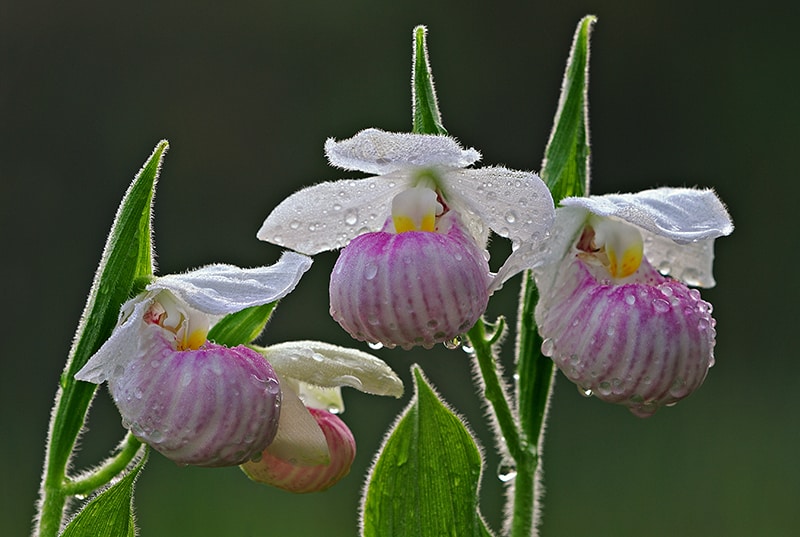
<point x="351" y="217"/>
<point x="506" y="472"/>
<point x="370" y="271"/>
<point x="630" y="300"/>
<point x="604" y="388"/>
<point x="549" y="347"/>
<point x="586" y="392"/>
<point x="295" y="224"/>
<point x="137" y="393"/>
<point x="375" y="345"/>
<point x="467" y="348"/>
<point x="511" y="217"/>
<point x="333" y="409"/>
<point x="453" y="343"/>
<point x="337" y="207"/>
<point x="661" y="305"/>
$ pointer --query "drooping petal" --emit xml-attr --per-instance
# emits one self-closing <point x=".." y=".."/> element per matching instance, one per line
<point x="380" y="152"/>
<point x="679" y="226"/>
<point x="215" y="406"/>
<point x="516" y="205"/>
<point x="299" y="438"/>
<point x="222" y="289"/>
<point x="329" y="215"/>
<point x="120" y="347"/>
<point x="330" y="366"/>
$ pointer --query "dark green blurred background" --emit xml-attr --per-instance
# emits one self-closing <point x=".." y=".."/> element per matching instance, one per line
<point x="682" y="93"/>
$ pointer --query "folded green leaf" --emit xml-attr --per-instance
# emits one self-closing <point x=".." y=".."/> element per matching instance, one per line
<point x="566" y="159"/>
<point x="427" y="119"/>
<point x="425" y="481"/>
<point x="110" y="513"/>
<point x="242" y="327"/>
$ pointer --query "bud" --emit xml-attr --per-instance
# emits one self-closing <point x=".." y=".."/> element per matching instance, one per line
<point x="288" y="475"/>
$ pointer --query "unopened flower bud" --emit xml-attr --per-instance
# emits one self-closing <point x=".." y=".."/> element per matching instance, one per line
<point x="288" y="475"/>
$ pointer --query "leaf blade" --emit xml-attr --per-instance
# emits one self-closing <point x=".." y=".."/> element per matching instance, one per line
<point x="425" y="481"/>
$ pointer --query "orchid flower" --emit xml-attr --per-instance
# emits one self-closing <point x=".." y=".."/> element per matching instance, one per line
<point x="413" y="269"/>
<point x="615" y="311"/>
<point x="315" y="449"/>
<point x="191" y="399"/>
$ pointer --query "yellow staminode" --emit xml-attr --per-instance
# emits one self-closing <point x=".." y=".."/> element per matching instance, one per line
<point x="622" y="243"/>
<point x="415" y="209"/>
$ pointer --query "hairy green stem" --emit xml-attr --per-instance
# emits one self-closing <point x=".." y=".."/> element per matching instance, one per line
<point x="110" y="469"/>
<point x="493" y="389"/>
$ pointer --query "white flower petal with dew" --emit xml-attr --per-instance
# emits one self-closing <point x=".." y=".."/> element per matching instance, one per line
<point x="329" y="366"/>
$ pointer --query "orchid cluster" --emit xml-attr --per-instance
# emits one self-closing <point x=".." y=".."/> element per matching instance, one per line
<point x="617" y="310"/>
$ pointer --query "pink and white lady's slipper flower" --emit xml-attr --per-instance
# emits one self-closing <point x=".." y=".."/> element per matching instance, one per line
<point x="193" y="400"/>
<point x="413" y="269"/>
<point x="314" y="449"/>
<point x="615" y="311"/>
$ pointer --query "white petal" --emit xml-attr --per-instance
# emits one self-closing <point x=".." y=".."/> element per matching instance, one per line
<point x="516" y="205"/>
<point x="327" y="399"/>
<point x="299" y="438"/>
<point x="223" y="289"/>
<point x="681" y="214"/>
<point x="329" y="366"/>
<point x="328" y="215"/>
<point x="120" y="347"/>
<point x="569" y="221"/>
<point x="690" y="263"/>
<point x="380" y="152"/>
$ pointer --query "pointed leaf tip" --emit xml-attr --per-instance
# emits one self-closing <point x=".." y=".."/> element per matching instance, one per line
<point x="426" y="116"/>
<point x="565" y="168"/>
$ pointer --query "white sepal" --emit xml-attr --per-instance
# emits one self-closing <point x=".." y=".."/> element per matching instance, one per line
<point x="380" y="152"/>
<point x="328" y="215"/>
<point x="329" y="366"/>
<point x="683" y="215"/>
<point x="515" y="205"/>
<point x="223" y="289"/>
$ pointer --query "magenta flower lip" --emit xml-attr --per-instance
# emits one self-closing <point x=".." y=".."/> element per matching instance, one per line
<point x="412" y="288"/>
<point x="644" y="344"/>
<point x="214" y="406"/>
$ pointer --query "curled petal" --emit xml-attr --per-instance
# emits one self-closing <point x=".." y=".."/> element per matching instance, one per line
<point x="293" y="477"/>
<point x="328" y="215"/>
<point x="380" y="152"/>
<point x="643" y="344"/>
<point x="222" y="289"/>
<point x="215" y="406"/>
<point x="299" y="438"/>
<point x="516" y="205"/>
<point x="408" y="289"/>
<point x="330" y="366"/>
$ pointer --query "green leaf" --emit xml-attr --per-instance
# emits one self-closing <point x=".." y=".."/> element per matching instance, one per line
<point x="242" y="327"/>
<point x="425" y="481"/>
<point x="127" y="258"/>
<point x="566" y="159"/>
<point x="427" y="119"/>
<point x="110" y="513"/>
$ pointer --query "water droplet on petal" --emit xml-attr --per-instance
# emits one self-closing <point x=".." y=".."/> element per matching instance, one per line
<point x="375" y="345"/>
<point x="453" y="343"/>
<point x="467" y="348"/>
<point x="549" y="347"/>
<point x="295" y="224"/>
<point x="511" y="217"/>
<point x="661" y="305"/>
<point x="630" y="299"/>
<point x="370" y="271"/>
<point x="586" y="392"/>
<point x="351" y="217"/>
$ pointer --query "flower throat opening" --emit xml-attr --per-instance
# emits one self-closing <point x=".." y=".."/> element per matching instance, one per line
<point x="615" y="245"/>
<point x="416" y="209"/>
